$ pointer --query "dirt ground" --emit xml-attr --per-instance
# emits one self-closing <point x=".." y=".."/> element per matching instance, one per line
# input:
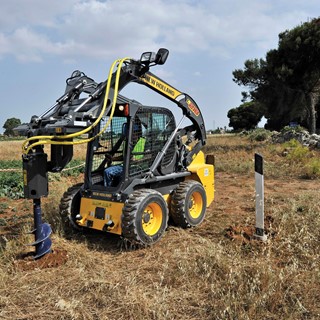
<point x="231" y="215"/>
<point x="214" y="271"/>
<point x="235" y="195"/>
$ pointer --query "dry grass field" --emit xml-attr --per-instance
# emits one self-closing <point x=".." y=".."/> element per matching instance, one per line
<point x="12" y="150"/>
<point x="214" y="271"/>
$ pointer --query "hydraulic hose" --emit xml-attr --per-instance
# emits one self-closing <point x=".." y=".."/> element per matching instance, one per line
<point x="49" y="139"/>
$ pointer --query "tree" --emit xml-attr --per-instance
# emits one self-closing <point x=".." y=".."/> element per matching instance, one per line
<point x="287" y="82"/>
<point x="298" y="64"/>
<point x="245" y="117"/>
<point x="9" y="125"/>
<point x="264" y="88"/>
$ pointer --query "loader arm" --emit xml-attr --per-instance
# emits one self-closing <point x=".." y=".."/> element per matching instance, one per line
<point x="71" y="115"/>
<point x="135" y="71"/>
<point x="189" y="107"/>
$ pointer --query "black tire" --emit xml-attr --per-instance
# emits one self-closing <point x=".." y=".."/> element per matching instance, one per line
<point x="69" y="208"/>
<point x="144" y="217"/>
<point x="188" y="204"/>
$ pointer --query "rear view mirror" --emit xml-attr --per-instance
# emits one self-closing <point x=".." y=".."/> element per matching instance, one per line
<point x="162" y="56"/>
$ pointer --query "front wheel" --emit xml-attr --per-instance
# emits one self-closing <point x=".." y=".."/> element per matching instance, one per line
<point x="144" y="217"/>
<point x="188" y="204"/>
<point x="70" y="208"/>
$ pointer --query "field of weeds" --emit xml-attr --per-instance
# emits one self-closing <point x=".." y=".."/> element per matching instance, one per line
<point x="214" y="271"/>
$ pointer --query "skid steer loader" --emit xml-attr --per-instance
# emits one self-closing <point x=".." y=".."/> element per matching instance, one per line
<point x="140" y="166"/>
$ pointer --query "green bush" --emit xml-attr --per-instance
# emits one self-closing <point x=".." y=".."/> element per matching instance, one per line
<point x="11" y="184"/>
<point x="293" y="129"/>
<point x="259" y="135"/>
<point x="11" y="164"/>
<point x="313" y="169"/>
<point x="296" y="151"/>
<point x="74" y="168"/>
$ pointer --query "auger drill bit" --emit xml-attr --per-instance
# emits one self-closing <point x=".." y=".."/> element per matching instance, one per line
<point x="41" y="232"/>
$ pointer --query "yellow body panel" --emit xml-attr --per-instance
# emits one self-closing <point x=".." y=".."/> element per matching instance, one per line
<point x="106" y="215"/>
<point x="204" y="173"/>
<point x="98" y="214"/>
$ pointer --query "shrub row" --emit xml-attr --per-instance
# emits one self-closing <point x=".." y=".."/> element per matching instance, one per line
<point x="11" y="183"/>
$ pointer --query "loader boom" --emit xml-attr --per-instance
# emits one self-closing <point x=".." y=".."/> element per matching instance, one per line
<point x="71" y="114"/>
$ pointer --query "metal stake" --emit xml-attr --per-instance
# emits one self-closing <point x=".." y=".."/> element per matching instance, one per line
<point x="259" y="179"/>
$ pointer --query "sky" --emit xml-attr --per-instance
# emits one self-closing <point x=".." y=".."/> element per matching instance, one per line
<point x="43" y="41"/>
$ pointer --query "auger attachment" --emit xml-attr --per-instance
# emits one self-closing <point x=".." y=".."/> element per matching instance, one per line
<point x="35" y="180"/>
<point x="41" y="232"/>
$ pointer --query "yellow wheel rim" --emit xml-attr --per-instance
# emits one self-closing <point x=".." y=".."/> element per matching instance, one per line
<point x="195" y="205"/>
<point x="152" y="219"/>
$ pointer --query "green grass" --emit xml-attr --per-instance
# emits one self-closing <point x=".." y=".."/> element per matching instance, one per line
<point x="11" y="183"/>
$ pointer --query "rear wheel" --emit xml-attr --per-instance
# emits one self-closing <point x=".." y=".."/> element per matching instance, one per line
<point x="144" y="217"/>
<point x="188" y="204"/>
<point x="69" y="208"/>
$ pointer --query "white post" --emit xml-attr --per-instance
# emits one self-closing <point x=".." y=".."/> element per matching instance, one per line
<point x="258" y="166"/>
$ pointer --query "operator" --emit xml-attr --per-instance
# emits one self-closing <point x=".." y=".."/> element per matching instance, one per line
<point x="113" y="172"/>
